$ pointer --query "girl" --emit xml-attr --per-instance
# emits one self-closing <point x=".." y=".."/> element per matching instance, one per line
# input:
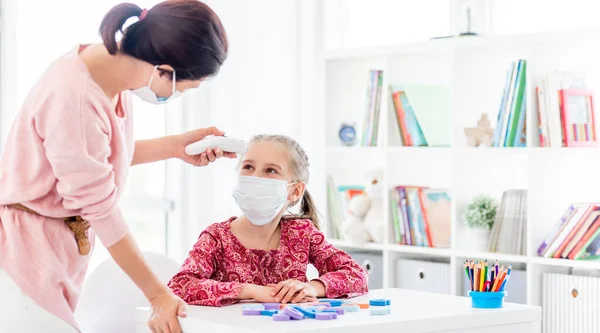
<point x="67" y="157"/>
<point x="263" y="255"/>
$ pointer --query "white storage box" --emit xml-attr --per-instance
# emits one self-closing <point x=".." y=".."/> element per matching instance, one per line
<point x="373" y="263"/>
<point x="570" y="303"/>
<point x="423" y="276"/>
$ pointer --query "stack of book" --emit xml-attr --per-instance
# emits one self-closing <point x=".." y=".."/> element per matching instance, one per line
<point x="550" y="108"/>
<point x="421" y="216"/>
<point x="371" y="116"/>
<point x="509" y="230"/>
<point x="576" y="235"/>
<point x="510" y="130"/>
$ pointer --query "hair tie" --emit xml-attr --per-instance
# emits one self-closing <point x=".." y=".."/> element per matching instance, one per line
<point x="143" y="14"/>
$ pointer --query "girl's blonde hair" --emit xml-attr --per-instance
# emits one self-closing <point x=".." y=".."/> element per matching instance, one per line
<point x="299" y="162"/>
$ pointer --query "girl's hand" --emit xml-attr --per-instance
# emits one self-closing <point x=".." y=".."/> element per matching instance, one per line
<point x="293" y="291"/>
<point x="165" y="309"/>
<point x="183" y="140"/>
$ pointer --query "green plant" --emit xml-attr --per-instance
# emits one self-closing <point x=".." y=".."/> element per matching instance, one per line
<point x="481" y="212"/>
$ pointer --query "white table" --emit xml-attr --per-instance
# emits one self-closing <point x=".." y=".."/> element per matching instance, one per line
<point x="411" y="312"/>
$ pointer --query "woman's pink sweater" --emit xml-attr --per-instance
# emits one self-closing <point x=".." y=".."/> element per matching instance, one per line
<point x="67" y="154"/>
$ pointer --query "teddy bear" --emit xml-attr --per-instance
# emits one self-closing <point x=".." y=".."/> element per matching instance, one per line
<point x="364" y="221"/>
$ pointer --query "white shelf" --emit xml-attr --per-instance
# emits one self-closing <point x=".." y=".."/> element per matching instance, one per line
<point x="434" y="252"/>
<point x="347" y="245"/>
<point x="587" y="264"/>
<point x="451" y="44"/>
<point x="474" y="68"/>
<point x="476" y="255"/>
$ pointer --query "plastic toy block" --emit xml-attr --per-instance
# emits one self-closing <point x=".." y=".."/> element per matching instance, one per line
<point x="293" y="313"/>
<point x="335" y="315"/>
<point x="271" y="306"/>
<point x="379" y="311"/>
<point x="252" y="306"/>
<point x="252" y="312"/>
<point x="307" y="312"/>
<point x="340" y="310"/>
<point x="325" y="316"/>
<point x="269" y="313"/>
<point x="362" y="305"/>
<point x="281" y="317"/>
<point x="332" y="302"/>
<point x="352" y="308"/>
<point x="379" y="302"/>
<point x="325" y="304"/>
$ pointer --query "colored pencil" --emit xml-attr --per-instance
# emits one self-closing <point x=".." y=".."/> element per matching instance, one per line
<point x="506" y="278"/>
<point x="500" y="279"/>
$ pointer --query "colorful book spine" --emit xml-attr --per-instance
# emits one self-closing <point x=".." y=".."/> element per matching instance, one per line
<point x="591" y="234"/>
<point x="501" y="111"/>
<point x="412" y="123"/>
<point x="576" y="225"/>
<point x="521" y="136"/>
<point x="401" y="117"/>
<point x="375" y="122"/>
<point x="556" y="230"/>
<point x="518" y="100"/>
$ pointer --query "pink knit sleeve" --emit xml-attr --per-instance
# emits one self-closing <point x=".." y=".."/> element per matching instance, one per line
<point x="77" y="145"/>
<point x="340" y="274"/>
<point x="194" y="283"/>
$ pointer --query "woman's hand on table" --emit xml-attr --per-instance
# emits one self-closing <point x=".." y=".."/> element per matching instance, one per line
<point x="165" y="308"/>
<point x="294" y="291"/>
<point x="184" y="139"/>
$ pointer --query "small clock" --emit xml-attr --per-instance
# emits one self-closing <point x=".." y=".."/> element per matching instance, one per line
<point x="347" y="134"/>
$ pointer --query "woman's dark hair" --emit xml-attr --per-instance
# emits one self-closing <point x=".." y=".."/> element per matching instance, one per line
<point x="185" y="34"/>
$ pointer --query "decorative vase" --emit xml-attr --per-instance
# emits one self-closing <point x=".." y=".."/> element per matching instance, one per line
<point x="477" y="239"/>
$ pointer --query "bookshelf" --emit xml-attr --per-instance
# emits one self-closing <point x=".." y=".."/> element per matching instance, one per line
<point x="473" y="70"/>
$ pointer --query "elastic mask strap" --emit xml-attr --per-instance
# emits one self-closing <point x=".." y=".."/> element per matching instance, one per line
<point x="174" y="79"/>
<point x="152" y="76"/>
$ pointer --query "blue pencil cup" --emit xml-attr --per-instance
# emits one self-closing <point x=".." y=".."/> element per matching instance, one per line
<point x="487" y="300"/>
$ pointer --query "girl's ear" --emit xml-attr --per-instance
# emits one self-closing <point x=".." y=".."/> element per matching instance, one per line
<point x="296" y="193"/>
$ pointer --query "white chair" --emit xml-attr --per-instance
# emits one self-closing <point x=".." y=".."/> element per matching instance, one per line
<point x="108" y="298"/>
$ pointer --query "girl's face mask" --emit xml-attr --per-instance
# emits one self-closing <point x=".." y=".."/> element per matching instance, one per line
<point x="261" y="199"/>
<point x="148" y="95"/>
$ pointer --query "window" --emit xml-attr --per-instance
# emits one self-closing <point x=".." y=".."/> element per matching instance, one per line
<point x="360" y="23"/>
<point x="51" y="29"/>
<point x="531" y="16"/>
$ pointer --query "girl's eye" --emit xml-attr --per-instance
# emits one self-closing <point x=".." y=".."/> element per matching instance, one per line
<point x="271" y="170"/>
<point x="247" y="167"/>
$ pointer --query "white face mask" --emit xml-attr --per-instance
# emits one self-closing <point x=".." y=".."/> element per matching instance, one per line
<point x="260" y="199"/>
<point x="146" y="94"/>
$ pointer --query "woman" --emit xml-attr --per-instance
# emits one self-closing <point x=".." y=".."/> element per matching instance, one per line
<point x="67" y="156"/>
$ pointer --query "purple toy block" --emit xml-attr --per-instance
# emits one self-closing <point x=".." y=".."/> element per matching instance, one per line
<point x="252" y="312"/>
<point x="293" y="313"/>
<point x="281" y="317"/>
<point x="325" y="316"/>
<point x="271" y="306"/>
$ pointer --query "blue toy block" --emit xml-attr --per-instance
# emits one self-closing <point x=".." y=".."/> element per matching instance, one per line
<point x="379" y="302"/>
<point x="332" y="302"/>
<point x="269" y="313"/>
<point x="307" y="312"/>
